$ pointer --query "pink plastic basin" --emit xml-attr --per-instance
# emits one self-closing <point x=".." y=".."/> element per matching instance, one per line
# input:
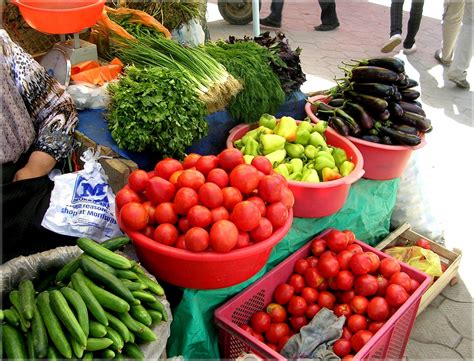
<point x="60" y="16"/>
<point x="315" y="200"/>
<point x="381" y="162"/>
<point x="204" y="270"/>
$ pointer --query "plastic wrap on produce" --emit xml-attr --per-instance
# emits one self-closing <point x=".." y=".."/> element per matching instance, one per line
<point x="415" y="197"/>
<point x="189" y="34"/>
<point x="17" y="269"/>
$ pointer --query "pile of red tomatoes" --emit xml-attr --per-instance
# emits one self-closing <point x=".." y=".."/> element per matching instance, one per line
<point x="340" y="276"/>
<point x="206" y="203"/>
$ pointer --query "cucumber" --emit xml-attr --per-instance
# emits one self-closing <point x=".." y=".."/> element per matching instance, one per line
<point x="45" y="281"/>
<point x="77" y="348"/>
<point x="103" y="254"/>
<point x="80" y="307"/>
<point x="40" y="336"/>
<point x="88" y="355"/>
<point x="66" y="272"/>
<point x="132" y="324"/>
<point x="156" y="316"/>
<point x="154" y="287"/>
<point x="144" y="296"/>
<point x="30" y="348"/>
<point x="108" y="280"/>
<point x="27" y="298"/>
<point x="116" y="339"/>
<point x="96" y="344"/>
<point x="157" y="305"/>
<point x="118" y="326"/>
<point x="15" y="300"/>
<point x="96" y="329"/>
<point x="1" y="315"/>
<point x="107" y="299"/>
<point x="91" y="302"/>
<point x="13" y="343"/>
<point x="126" y="274"/>
<point x="107" y="354"/>
<point x="147" y="335"/>
<point x="53" y="326"/>
<point x="101" y="264"/>
<point x="132" y="337"/>
<point x="115" y="243"/>
<point x="133" y="286"/>
<point x="133" y="351"/>
<point x="12" y="317"/>
<point x="140" y="314"/>
<point x="53" y="353"/>
<point x="120" y="357"/>
<point x="65" y="314"/>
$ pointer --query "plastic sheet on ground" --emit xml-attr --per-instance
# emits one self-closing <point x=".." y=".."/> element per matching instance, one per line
<point x="29" y="267"/>
<point x="367" y="213"/>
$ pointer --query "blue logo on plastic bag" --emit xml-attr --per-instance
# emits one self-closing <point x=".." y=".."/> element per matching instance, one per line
<point x="90" y="192"/>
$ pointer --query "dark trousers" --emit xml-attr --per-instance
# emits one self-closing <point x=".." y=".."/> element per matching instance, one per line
<point x="396" y="16"/>
<point x="24" y="204"/>
<point x="328" y="11"/>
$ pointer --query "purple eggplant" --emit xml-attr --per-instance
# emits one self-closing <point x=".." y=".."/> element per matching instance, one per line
<point x="411" y="107"/>
<point x="410" y="94"/>
<point x="395" y="109"/>
<point x="337" y="102"/>
<point x="405" y="129"/>
<point x="386" y="140"/>
<point x="400" y="137"/>
<point x="394" y="64"/>
<point x="421" y="123"/>
<point x="374" y="89"/>
<point x="371" y="138"/>
<point x="349" y="120"/>
<point x="339" y="125"/>
<point x="410" y="84"/>
<point x="369" y="102"/>
<point x="373" y="74"/>
<point x="360" y="115"/>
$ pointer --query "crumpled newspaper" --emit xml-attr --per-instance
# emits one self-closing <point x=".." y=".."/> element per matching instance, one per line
<point x="17" y="269"/>
<point x="315" y="340"/>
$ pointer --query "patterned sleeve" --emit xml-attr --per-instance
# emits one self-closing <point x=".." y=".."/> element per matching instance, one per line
<point x="49" y="105"/>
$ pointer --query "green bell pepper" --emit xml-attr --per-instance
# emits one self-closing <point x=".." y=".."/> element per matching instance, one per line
<point x="329" y="174"/>
<point x="305" y="125"/>
<point x="248" y="159"/>
<point x="251" y="147"/>
<point x="346" y="168"/>
<point x="297" y="165"/>
<point x="323" y="162"/>
<point x="326" y="154"/>
<point x="317" y="139"/>
<point x="339" y="156"/>
<point x="294" y="150"/>
<point x="296" y="176"/>
<point x="320" y="126"/>
<point x="302" y="136"/>
<point x="287" y="128"/>
<point x="268" y="121"/>
<point x="310" y="151"/>
<point x="283" y="170"/>
<point x="276" y="157"/>
<point x="310" y="175"/>
<point x="272" y="142"/>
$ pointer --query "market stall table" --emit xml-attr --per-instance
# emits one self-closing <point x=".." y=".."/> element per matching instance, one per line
<point x="367" y="213"/>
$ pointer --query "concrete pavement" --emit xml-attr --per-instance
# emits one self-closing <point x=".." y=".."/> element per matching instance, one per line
<point x="444" y="167"/>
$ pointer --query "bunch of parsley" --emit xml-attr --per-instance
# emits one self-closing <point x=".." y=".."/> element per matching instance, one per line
<point x="155" y="109"/>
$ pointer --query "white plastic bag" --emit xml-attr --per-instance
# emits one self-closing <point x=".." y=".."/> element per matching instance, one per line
<point x="190" y="34"/>
<point x="82" y="203"/>
<point x="87" y="96"/>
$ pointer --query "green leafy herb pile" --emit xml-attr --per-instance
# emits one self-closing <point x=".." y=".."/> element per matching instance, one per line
<point x="250" y="62"/>
<point x="155" y="109"/>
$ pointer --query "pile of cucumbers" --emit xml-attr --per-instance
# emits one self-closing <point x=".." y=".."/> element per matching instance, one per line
<point x="375" y="101"/>
<point x="100" y="305"/>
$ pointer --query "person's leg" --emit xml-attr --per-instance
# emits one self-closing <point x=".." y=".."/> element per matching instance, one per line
<point x="463" y="50"/>
<point x="416" y="13"/>
<point x="452" y="17"/>
<point x="274" y="19"/>
<point x="328" y="12"/>
<point x="396" y="15"/>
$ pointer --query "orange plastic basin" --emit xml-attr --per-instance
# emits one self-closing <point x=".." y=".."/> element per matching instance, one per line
<point x="60" y="16"/>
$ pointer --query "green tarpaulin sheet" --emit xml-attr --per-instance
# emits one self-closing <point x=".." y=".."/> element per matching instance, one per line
<point x="367" y="213"/>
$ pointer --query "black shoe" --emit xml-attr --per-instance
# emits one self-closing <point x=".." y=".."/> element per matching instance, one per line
<point x="326" y="27"/>
<point x="268" y="21"/>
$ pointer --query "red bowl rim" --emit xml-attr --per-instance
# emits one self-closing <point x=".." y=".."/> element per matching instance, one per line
<point x="353" y="177"/>
<point x="315" y="119"/>
<point x="21" y="4"/>
<point x="183" y="254"/>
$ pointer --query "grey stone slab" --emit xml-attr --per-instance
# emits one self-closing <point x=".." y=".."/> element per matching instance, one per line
<point x="429" y="351"/>
<point x="432" y="326"/>
<point x="465" y="348"/>
<point x="458" y="292"/>
<point x="437" y="301"/>
<point x="459" y="315"/>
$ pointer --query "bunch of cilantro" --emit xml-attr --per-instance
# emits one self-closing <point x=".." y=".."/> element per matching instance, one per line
<point x="155" y="109"/>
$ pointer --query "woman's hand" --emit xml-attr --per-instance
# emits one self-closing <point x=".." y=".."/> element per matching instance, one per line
<point x="39" y="164"/>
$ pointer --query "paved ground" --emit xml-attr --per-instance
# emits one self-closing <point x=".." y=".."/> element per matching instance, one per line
<point x="444" y="168"/>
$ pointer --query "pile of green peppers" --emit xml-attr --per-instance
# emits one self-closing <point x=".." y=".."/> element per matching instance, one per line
<point x="299" y="152"/>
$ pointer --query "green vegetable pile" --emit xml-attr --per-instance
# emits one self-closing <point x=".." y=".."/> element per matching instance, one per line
<point x="250" y="62"/>
<point x="98" y="306"/>
<point x="299" y="152"/>
<point x="155" y="109"/>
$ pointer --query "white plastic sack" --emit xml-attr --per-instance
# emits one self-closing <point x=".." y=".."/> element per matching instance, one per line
<point x="88" y="96"/>
<point x="82" y="203"/>
<point x="190" y="34"/>
<point x="17" y="269"/>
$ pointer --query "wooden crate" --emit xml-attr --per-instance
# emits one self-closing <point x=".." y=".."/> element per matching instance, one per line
<point x="405" y="236"/>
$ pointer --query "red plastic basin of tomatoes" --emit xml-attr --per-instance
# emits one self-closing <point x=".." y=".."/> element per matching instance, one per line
<point x="315" y="200"/>
<point x="381" y="161"/>
<point x="204" y="270"/>
<point x="60" y="16"/>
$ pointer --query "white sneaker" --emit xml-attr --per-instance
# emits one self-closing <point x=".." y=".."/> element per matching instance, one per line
<point x="392" y="43"/>
<point x="408" y="51"/>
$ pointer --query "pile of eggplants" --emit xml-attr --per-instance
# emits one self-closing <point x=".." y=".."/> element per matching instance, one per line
<point x="376" y="102"/>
